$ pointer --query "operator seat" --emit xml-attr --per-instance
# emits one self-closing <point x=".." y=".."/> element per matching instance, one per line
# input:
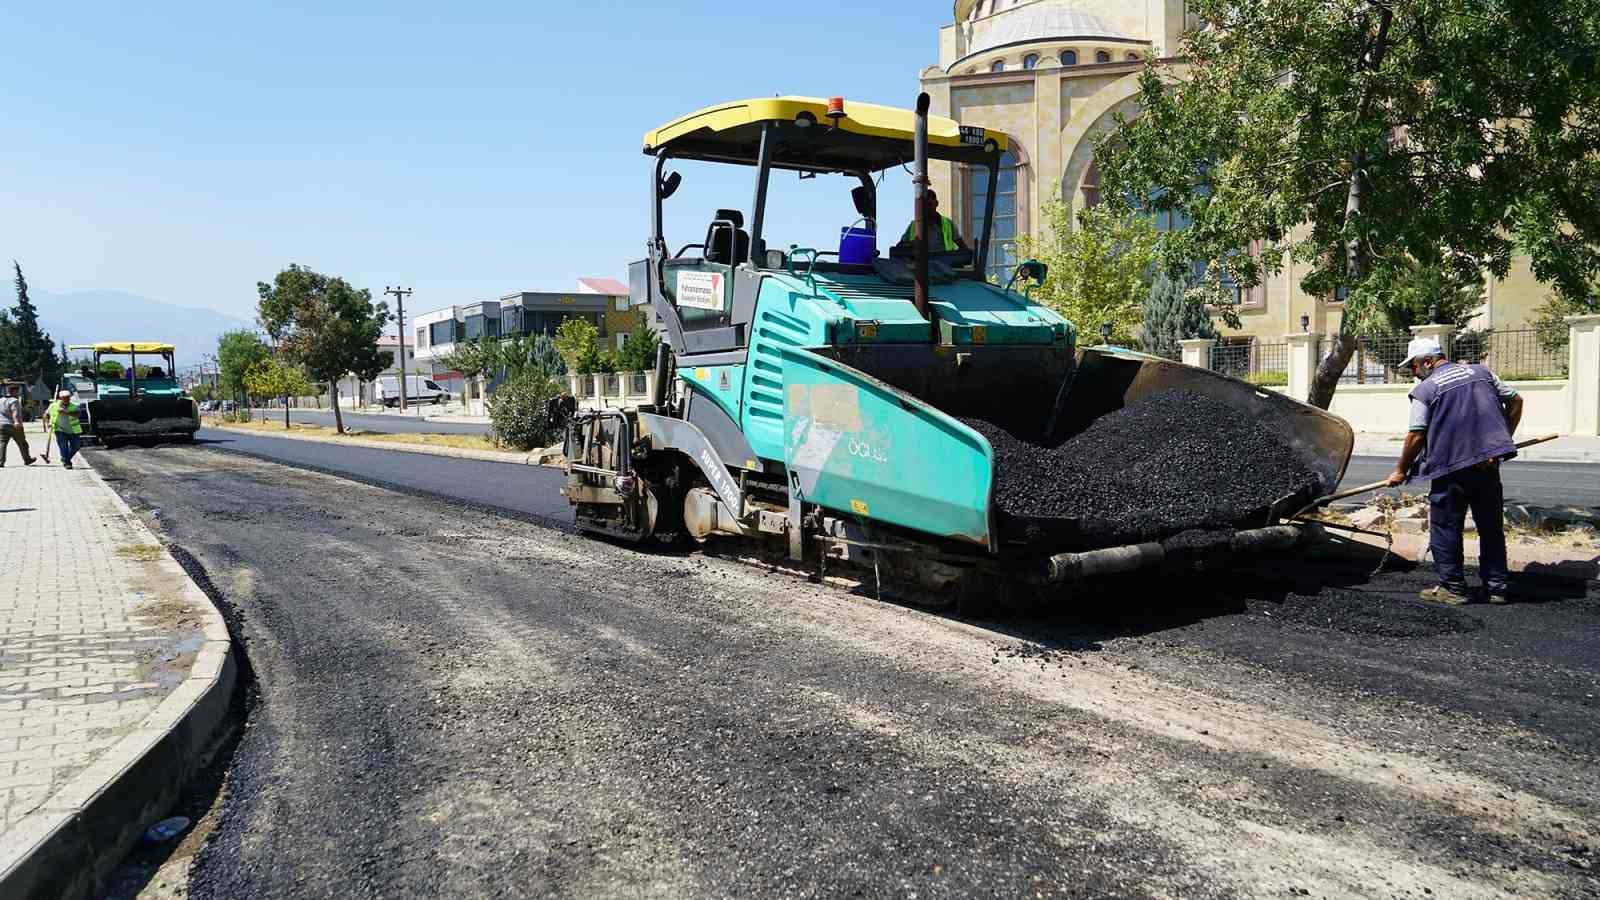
<point x="718" y="243"/>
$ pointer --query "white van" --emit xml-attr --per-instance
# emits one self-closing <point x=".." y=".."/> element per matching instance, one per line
<point x="419" y="389"/>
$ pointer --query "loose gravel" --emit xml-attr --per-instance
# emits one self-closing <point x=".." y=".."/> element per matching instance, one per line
<point x="1171" y="462"/>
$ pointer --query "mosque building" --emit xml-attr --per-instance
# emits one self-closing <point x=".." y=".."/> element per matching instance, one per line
<point x="1054" y="75"/>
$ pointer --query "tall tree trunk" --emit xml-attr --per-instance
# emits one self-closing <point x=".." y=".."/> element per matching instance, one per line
<point x="285" y="412"/>
<point x="333" y="397"/>
<point x="1332" y="366"/>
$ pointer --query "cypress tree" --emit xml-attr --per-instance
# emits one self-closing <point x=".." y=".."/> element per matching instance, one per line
<point x="1170" y="316"/>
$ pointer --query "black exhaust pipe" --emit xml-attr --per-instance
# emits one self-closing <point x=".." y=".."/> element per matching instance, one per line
<point x="919" y="187"/>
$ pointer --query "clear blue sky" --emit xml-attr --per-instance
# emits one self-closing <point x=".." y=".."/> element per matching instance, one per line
<point x="185" y="152"/>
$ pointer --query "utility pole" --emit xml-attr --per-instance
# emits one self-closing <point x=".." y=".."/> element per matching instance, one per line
<point x="400" y="295"/>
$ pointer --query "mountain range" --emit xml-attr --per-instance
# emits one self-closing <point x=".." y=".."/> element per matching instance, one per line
<point x="84" y="317"/>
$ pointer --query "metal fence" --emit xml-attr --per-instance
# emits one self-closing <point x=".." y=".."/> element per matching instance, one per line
<point x="1376" y="360"/>
<point x="612" y="385"/>
<point x="1513" y="355"/>
<point x="638" y="384"/>
<point x="1260" y="362"/>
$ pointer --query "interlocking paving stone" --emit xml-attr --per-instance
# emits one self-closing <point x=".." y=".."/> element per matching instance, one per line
<point x="82" y="658"/>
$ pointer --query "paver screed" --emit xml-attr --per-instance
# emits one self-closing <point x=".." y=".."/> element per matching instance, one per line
<point x="95" y="629"/>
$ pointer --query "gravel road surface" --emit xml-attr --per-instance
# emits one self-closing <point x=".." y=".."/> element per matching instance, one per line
<point x="455" y="701"/>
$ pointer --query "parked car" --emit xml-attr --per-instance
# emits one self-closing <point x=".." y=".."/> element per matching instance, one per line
<point x="419" y="389"/>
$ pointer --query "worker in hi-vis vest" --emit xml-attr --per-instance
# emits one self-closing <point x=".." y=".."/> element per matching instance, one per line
<point x="61" y="419"/>
<point x="942" y="233"/>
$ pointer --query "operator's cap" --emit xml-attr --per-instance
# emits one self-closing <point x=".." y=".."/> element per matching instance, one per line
<point x="1419" y="348"/>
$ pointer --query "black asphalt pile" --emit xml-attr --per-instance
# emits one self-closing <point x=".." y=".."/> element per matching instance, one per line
<point x="1171" y="462"/>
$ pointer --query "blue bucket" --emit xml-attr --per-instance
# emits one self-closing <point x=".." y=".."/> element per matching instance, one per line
<point x="858" y="246"/>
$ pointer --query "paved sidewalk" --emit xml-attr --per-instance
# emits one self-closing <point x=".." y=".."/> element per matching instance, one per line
<point x="98" y="626"/>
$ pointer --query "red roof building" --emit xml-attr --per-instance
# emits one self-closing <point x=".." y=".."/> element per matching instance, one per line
<point x="608" y="286"/>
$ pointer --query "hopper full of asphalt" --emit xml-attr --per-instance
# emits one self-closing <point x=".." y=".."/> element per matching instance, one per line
<point x="1171" y="462"/>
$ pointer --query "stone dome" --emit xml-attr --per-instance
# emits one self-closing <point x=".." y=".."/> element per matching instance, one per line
<point x="998" y="23"/>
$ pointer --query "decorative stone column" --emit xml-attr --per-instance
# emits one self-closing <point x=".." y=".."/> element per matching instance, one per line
<point x="1440" y="333"/>
<point x="1197" y="352"/>
<point x="1583" y="373"/>
<point x="1302" y="353"/>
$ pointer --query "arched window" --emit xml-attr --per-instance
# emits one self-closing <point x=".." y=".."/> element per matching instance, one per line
<point x="1132" y="57"/>
<point x="1101" y="56"/>
<point x="1090" y="185"/>
<point x="998" y="65"/>
<point x="1069" y="57"/>
<point x="1031" y="60"/>
<point x="1010" y="186"/>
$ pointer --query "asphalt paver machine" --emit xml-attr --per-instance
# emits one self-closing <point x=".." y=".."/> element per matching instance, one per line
<point x="814" y="397"/>
<point x="145" y="398"/>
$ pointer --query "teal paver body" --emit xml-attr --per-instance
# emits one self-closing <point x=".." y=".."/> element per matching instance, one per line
<point x="853" y="443"/>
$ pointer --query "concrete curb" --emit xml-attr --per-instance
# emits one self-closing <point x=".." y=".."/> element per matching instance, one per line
<point x="70" y="845"/>
<point x="530" y="458"/>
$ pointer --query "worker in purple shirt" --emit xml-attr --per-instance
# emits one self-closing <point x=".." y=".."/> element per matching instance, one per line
<point x="1462" y="419"/>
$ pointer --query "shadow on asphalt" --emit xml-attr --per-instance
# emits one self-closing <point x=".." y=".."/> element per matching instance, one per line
<point x="152" y="442"/>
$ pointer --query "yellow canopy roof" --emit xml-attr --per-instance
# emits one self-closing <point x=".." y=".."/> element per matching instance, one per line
<point x="727" y="131"/>
<point x="126" y="347"/>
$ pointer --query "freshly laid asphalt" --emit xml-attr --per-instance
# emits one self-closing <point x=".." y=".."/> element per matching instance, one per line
<point x="453" y="701"/>
<point x="1550" y="484"/>
<point x="531" y="490"/>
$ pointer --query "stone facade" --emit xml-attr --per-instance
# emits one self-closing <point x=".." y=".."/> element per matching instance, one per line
<point x="1053" y="75"/>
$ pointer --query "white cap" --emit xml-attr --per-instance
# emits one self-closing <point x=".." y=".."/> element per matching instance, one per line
<point x="1419" y="348"/>
<point x="64" y="394"/>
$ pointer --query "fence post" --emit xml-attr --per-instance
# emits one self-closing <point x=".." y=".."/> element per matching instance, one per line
<point x="597" y="381"/>
<point x="1197" y="352"/>
<point x="1583" y="373"/>
<point x="649" y="383"/>
<point x="1302" y="366"/>
<point x="1440" y="333"/>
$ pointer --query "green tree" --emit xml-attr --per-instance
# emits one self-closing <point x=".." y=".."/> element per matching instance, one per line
<point x="519" y="417"/>
<point x="578" y="342"/>
<point x="110" y="370"/>
<point x="529" y="353"/>
<point x="1354" y="135"/>
<point x="1099" y="267"/>
<point x="638" y="351"/>
<point x="1551" y="323"/>
<point x="271" y="376"/>
<point x="1172" y="314"/>
<point x="324" y="325"/>
<point x="237" y="351"/>
<point x="26" y="352"/>
<point x="472" y="359"/>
